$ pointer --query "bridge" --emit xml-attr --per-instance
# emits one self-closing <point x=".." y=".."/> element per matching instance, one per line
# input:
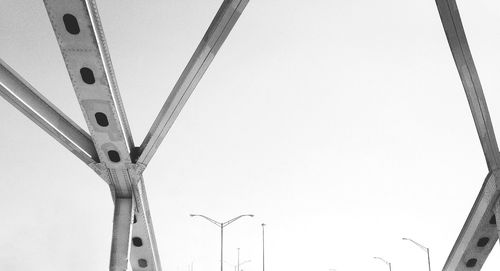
<point x="109" y="148"/>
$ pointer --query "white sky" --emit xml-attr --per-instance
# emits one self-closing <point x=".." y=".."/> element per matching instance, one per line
<point x="342" y="125"/>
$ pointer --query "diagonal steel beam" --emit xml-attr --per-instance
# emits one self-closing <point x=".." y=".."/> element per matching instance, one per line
<point x="81" y="39"/>
<point x="218" y="31"/>
<point x="479" y="233"/>
<point x="35" y="106"/>
<point x="457" y="40"/>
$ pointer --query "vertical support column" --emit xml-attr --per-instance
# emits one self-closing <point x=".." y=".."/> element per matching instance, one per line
<point x="143" y="251"/>
<point x="121" y="234"/>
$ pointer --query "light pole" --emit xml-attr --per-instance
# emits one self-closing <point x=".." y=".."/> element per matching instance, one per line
<point x="221" y="226"/>
<point x="263" y="254"/>
<point x="426" y="249"/>
<point x="386" y="262"/>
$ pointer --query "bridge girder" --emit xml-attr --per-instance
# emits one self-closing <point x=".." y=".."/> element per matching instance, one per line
<point x="479" y="233"/>
<point x="109" y="149"/>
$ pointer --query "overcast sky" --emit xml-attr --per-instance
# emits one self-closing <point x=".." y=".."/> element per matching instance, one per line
<point x="342" y="125"/>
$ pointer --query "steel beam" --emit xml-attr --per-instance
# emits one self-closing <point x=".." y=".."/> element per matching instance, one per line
<point x="479" y="233"/>
<point x="109" y="146"/>
<point x="217" y="32"/>
<point x="35" y="106"/>
<point x="121" y="234"/>
<point x="457" y="40"/>
<point x="81" y="39"/>
<point x="144" y="257"/>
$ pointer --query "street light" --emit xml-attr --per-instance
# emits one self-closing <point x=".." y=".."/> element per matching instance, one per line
<point x="426" y="249"/>
<point x="221" y="226"/>
<point x="386" y="262"/>
<point x="263" y="258"/>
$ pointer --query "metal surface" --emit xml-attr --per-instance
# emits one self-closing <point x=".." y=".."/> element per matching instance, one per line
<point x="477" y="226"/>
<point x="89" y="66"/>
<point x="98" y="94"/>
<point x="33" y="105"/>
<point x="457" y="40"/>
<point x="479" y="233"/>
<point x="142" y="227"/>
<point x="216" y="34"/>
<point x="121" y="234"/>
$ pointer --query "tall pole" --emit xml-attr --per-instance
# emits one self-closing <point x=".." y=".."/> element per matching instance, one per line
<point x="263" y="249"/>
<point x="238" y="259"/>
<point x="429" y="258"/>
<point x="221" y="247"/>
<point x="424" y="248"/>
<point x="221" y="225"/>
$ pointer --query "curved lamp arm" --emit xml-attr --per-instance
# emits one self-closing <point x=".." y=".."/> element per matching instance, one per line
<point x="234" y="219"/>
<point x="416" y="243"/>
<point x="209" y="219"/>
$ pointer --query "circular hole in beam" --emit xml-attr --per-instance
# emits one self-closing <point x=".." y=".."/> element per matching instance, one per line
<point x="142" y="263"/>
<point x="483" y="242"/>
<point x="87" y="75"/>
<point x="101" y="119"/>
<point x="114" y="156"/>
<point x="137" y="242"/>
<point x="471" y="262"/>
<point x="71" y="24"/>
